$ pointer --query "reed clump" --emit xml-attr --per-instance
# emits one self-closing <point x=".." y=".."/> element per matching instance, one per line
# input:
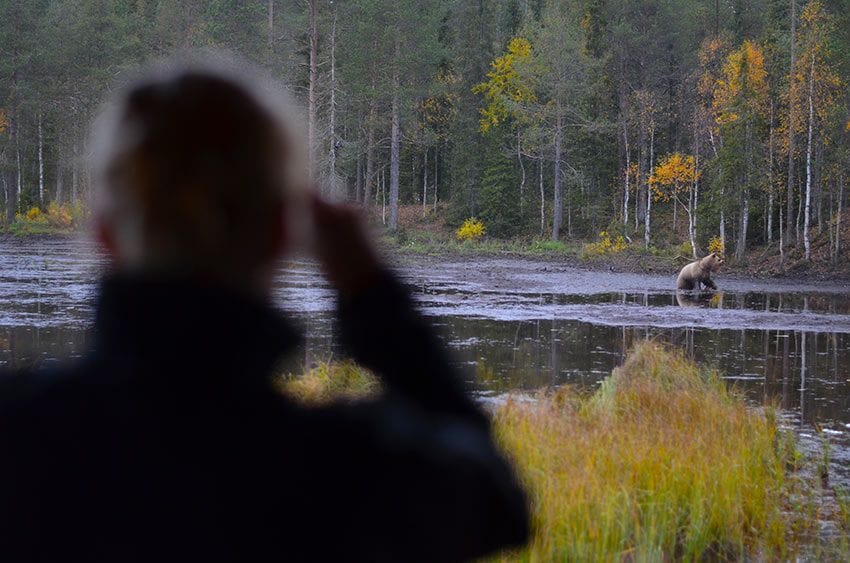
<point x="663" y="462"/>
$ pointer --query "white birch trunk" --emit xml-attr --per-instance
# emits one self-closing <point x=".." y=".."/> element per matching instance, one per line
<point x="522" y="169"/>
<point x="647" y="216"/>
<point x="791" y="106"/>
<point x="436" y="174"/>
<point x="40" y="163"/>
<point x="838" y="219"/>
<point x="628" y="173"/>
<point x="332" y="110"/>
<point x="312" y="85"/>
<point x="557" y="203"/>
<point x="808" y="210"/>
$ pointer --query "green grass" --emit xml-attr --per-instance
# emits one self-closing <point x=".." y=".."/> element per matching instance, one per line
<point x="663" y="462"/>
<point x="424" y="243"/>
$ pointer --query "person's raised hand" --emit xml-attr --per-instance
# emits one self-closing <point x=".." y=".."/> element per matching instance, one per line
<point x="343" y="247"/>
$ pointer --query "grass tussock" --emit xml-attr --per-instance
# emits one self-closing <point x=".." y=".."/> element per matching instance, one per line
<point x="328" y="382"/>
<point x="663" y="462"/>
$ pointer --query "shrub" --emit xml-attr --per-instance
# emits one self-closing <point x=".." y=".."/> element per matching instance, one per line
<point x="35" y="215"/>
<point x="605" y="246"/>
<point x="716" y="245"/>
<point x="472" y="229"/>
<point x="60" y="216"/>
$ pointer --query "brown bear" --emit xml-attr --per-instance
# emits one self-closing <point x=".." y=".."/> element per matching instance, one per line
<point x="699" y="272"/>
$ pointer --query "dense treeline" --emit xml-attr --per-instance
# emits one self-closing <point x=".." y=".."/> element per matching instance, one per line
<point x="665" y="121"/>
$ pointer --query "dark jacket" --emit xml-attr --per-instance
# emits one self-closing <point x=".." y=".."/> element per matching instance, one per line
<point x="167" y="442"/>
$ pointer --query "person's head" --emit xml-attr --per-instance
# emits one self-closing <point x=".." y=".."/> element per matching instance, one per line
<point x="194" y="167"/>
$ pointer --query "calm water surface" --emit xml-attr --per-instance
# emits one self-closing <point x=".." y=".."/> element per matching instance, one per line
<point x="514" y="324"/>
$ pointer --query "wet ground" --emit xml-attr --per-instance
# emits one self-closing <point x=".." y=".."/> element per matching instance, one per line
<point x="517" y="324"/>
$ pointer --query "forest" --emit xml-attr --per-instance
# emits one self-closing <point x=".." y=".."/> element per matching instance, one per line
<point x="695" y="123"/>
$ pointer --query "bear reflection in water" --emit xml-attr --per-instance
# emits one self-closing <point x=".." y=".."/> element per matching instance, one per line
<point x="705" y="299"/>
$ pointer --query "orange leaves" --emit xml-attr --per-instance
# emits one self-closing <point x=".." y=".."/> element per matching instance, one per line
<point x="504" y="84"/>
<point x="742" y="87"/>
<point x="672" y="174"/>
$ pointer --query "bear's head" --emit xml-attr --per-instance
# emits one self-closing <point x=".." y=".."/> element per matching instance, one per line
<point x="712" y="262"/>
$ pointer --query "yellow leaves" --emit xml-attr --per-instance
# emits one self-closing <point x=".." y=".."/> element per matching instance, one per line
<point x="813" y="14"/>
<point x="743" y="84"/>
<point x="672" y="174"/>
<point x="4" y="121"/>
<point x="504" y="84"/>
<point x="847" y="127"/>
<point x="34" y="214"/>
<point x="814" y="73"/>
<point x="716" y="245"/>
<point x="472" y="229"/>
<point x="605" y="246"/>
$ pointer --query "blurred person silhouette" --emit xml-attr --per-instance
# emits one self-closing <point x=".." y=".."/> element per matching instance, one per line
<point x="167" y="441"/>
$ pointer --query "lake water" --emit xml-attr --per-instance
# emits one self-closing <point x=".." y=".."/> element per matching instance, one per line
<point x="515" y="325"/>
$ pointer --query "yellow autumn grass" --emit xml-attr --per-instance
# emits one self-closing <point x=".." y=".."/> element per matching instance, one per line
<point x="662" y="462"/>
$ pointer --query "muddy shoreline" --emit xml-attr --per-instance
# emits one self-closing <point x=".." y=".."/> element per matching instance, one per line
<point x="757" y="267"/>
<point x="812" y="276"/>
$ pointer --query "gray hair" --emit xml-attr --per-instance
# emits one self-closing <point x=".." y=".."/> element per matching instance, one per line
<point x="192" y="162"/>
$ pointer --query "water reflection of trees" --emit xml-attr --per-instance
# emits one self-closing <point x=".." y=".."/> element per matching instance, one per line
<point x="806" y="373"/>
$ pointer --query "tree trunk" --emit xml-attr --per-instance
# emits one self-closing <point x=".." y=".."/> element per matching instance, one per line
<point x="781" y="238"/>
<point x="769" y="229"/>
<point x="436" y="174"/>
<point x="557" y="211"/>
<point x="628" y="174"/>
<point x="647" y="216"/>
<point x="312" y="85"/>
<point x="542" y="196"/>
<point x="271" y="27"/>
<point x="60" y="184"/>
<point x="790" y="185"/>
<point x="12" y="194"/>
<point x="75" y="177"/>
<point x="383" y="196"/>
<point x="425" y="183"/>
<point x="741" y="247"/>
<point x="838" y="220"/>
<point x="40" y="162"/>
<point x="395" y="139"/>
<point x="808" y="212"/>
<point x="334" y="189"/>
<point x="16" y="200"/>
<point x="522" y="169"/>
<point x="800" y="205"/>
<point x="370" y="157"/>
<point x="358" y="180"/>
